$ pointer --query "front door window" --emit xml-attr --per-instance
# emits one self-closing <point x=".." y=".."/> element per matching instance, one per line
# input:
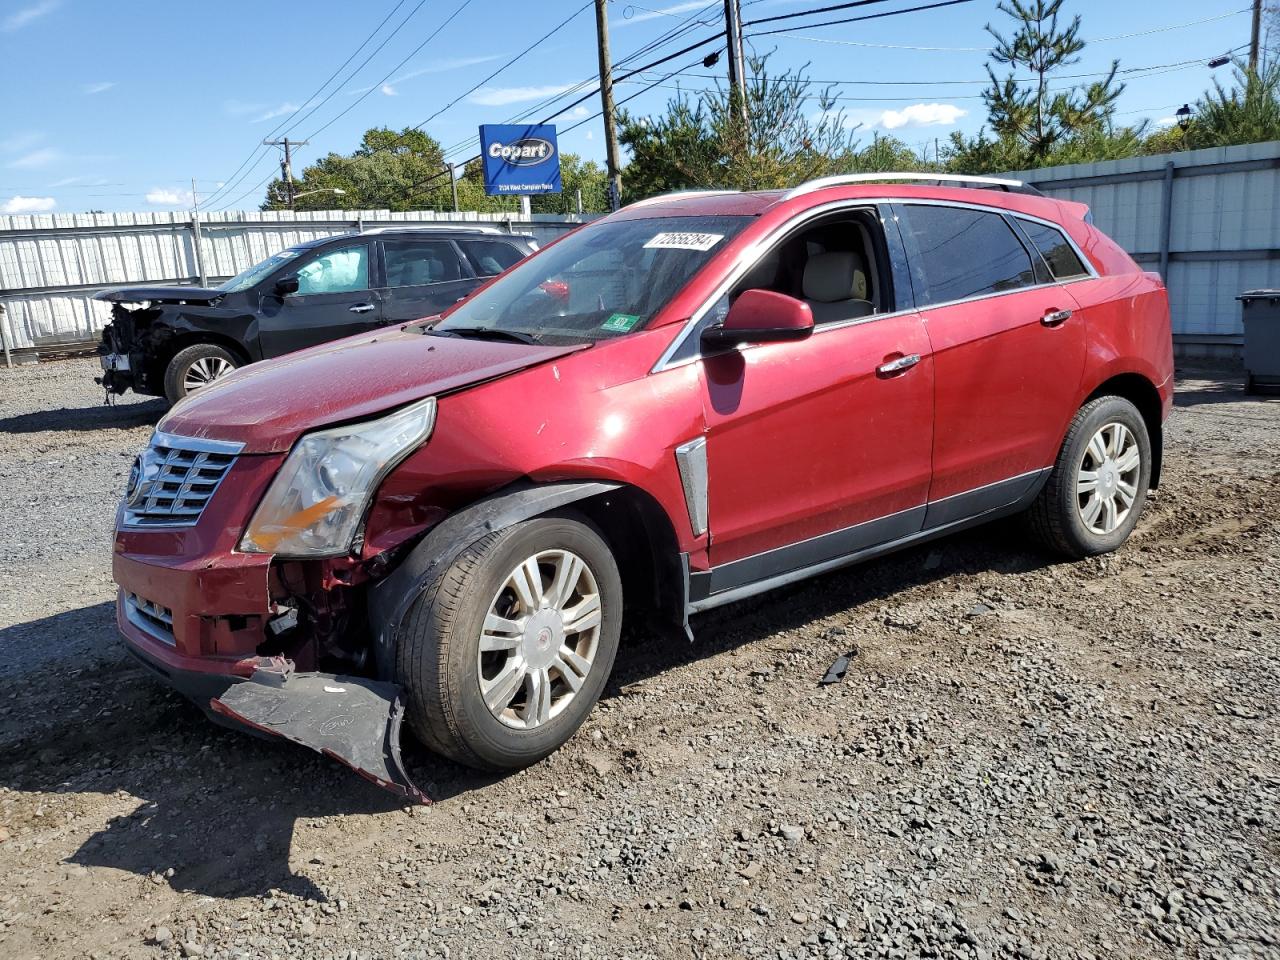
<point x="342" y="270"/>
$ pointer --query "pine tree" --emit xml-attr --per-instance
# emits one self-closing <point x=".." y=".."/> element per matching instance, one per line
<point x="1031" y="113"/>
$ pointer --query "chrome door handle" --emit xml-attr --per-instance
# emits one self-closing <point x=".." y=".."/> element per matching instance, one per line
<point x="1055" y="317"/>
<point x="897" y="366"/>
<point x="361" y="308"/>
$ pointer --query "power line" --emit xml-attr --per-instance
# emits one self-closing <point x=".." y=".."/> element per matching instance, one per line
<point x="413" y="53"/>
<point x="563" y="23"/>
<point x="814" y="12"/>
<point x="675" y="32"/>
<point x="256" y="153"/>
<point x="865" y="16"/>
<point x="907" y="46"/>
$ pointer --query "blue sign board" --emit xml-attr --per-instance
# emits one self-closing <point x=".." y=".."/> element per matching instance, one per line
<point x="520" y="158"/>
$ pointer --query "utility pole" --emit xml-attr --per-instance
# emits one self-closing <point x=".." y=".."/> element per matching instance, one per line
<point x="733" y="44"/>
<point x="1255" y="36"/>
<point x="453" y="182"/>
<point x="286" y="164"/>
<point x="612" y="160"/>
<point x="195" y="234"/>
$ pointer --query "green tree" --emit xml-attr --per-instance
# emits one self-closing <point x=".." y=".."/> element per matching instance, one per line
<point x="1031" y="114"/>
<point x="380" y="174"/>
<point x="792" y="135"/>
<point x="1247" y="113"/>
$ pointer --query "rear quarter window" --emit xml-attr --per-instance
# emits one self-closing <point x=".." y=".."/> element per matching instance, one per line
<point x="1057" y="251"/>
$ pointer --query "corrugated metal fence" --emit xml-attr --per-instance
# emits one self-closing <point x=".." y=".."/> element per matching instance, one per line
<point x="51" y="265"/>
<point x="1208" y="220"/>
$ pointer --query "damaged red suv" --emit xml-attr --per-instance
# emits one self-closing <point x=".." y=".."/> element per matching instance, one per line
<point x="694" y="400"/>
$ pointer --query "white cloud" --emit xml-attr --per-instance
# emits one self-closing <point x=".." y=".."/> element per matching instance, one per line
<point x="387" y="90"/>
<point x="502" y="96"/>
<point x="578" y="112"/>
<point x="81" y="181"/>
<point x="922" y="115"/>
<point x="21" y="141"/>
<point x="1166" y="121"/>
<point x="590" y="135"/>
<point x="103" y="87"/>
<point x="279" y="111"/>
<point x="20" y="18"/>
<point x="28" y="205"/>
<point x="35" y="159"/>
<point x="164" y="197"/>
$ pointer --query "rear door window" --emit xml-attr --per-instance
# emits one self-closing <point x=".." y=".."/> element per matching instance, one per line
<point x="415" y="263"/>
<point x="959" y="253"/>
<point x="1057" y="251"/>
<point x="490" y="257"/>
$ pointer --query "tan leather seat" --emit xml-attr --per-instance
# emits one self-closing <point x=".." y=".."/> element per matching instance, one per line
<point x="835" y="286"/>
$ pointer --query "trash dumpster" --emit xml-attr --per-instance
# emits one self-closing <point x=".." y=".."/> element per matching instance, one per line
<point x="1260" y="311"/>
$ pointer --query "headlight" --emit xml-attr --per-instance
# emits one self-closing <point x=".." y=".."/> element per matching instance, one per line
<point x="317" y="500"/>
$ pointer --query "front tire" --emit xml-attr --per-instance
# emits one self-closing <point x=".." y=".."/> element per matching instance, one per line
<point x="503" y="656"/>
<point x="1098" y="487"/>
<point x="195" y="367"/>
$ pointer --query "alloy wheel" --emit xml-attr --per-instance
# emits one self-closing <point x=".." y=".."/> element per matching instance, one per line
<point x="1107" y="481"/>
<point x="204" y="371"/>
<point x="539" y="639"/>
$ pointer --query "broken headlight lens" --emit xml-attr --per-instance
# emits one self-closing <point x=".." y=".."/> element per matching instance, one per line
<point x="317" y="500"/>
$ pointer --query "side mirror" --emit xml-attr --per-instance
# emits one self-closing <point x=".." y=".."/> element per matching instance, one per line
<point x="287" y="285"/>
<point x="761" y="316"/>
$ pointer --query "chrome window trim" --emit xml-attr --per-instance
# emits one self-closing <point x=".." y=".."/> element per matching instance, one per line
<point x="752" y="254"/>
<point x="1084" y="261"/>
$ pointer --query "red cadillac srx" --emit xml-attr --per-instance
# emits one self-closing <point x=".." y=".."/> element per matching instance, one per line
<point x="696" y="399"/>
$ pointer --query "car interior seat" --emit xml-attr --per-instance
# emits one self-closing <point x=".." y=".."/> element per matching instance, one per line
<point x="835" y="286"/>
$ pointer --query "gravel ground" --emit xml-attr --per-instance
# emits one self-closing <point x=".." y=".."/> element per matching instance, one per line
<point x="1026" y="759"/>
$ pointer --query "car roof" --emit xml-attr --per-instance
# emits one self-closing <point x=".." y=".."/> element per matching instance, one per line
<point x="470" y="233"/>
<point x="992" y="192"/>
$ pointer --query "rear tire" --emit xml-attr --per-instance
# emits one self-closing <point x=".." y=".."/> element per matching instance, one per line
<point x="1098" y="487"/>
<point x="196" y="366"/>
<point x="482" y="655"/>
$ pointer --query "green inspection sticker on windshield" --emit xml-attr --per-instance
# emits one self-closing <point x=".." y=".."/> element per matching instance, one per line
<point x="620" y="322"/>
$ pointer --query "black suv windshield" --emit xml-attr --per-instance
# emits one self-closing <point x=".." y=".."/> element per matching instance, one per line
<point x="243" y="281"/>
<point x="603" y="281"/>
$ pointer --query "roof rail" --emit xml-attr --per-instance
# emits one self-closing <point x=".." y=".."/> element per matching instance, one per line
<point x="1012" y="186"/>
<point x="679" y="194"/>
<point x="449" y="227"/>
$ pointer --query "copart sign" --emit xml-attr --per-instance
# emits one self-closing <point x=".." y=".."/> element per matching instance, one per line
<point x="520" y="159"/>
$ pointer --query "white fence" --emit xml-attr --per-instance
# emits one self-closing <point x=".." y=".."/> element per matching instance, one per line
<point x="51" y="265"/>
<point x="1207" y="220"/>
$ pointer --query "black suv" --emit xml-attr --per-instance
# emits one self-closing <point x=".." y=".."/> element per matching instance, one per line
<point x="168" y="340"/>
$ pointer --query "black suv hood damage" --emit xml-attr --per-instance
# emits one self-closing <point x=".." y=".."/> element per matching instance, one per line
<point x="160" y="294"/>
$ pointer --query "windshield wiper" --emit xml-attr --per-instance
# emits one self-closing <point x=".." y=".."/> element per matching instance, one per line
<point x="484" y="333"/>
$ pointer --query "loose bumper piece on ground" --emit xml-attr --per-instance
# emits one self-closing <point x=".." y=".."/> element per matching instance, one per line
<point x="351" y="719"/>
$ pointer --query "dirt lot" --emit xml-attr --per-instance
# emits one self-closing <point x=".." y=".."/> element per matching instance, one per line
<point x="1027" y="758"/>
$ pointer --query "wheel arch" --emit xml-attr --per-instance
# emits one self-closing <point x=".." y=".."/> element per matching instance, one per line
<point x="633" y="523"/>
<point x="1142" y="393"/>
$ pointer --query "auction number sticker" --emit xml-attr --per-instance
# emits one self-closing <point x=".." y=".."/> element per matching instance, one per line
<point x="685" y="241"/>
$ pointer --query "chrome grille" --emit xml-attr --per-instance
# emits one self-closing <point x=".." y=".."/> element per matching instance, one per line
<point x="149" y="617"/>
<point x="174" y="478"/>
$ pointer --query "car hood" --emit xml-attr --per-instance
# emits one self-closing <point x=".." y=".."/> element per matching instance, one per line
<point x="267" y="406"/>
<point x="160" y="294"/>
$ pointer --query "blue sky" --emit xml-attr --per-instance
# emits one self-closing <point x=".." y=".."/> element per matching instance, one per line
<point x="117" y="105"/>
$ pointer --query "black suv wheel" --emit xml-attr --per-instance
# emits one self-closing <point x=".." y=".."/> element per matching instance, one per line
<point x="196" y="366"/>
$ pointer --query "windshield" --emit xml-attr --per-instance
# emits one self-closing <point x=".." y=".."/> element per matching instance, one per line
<point x="243" y="281"/>
<point x="603" y="281"/>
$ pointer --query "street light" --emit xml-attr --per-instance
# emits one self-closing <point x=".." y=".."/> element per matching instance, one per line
<point x="336" y="191"/>
<point x="1183" y="113"/>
